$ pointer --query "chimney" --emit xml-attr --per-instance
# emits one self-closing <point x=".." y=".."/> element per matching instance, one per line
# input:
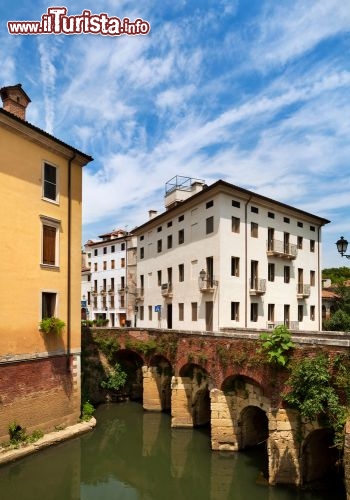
<point x="15" y="100"/>
<point x="152" y="214"/>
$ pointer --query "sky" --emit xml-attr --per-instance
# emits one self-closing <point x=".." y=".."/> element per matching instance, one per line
<point x="254" y="92"/>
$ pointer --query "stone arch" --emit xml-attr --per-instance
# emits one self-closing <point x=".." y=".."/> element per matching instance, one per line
<point x="131" y="362"/>
<point x="254" y="427"/>
<point x="320" y="460"/>
<point x="157" y="384"/>
<point x="191" y="397"/>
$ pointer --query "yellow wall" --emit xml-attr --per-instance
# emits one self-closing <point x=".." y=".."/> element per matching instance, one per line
<point x="22" y="278"/>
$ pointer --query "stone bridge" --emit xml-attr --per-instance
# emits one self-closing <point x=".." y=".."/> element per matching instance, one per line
<point x="223" y="380"/>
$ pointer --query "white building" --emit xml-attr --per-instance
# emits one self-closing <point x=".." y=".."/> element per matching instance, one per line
<point x="104" y="278"/>
<point x="223" y="257"/>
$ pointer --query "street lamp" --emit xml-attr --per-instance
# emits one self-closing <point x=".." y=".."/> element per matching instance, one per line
<point x="342" y="246"/>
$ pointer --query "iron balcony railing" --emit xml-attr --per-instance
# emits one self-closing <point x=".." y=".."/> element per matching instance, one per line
<point x="282" y="249"/>
<point x="257" y="286"/>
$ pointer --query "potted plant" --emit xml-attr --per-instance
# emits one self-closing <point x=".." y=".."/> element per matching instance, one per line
<point x="52" y="325"/>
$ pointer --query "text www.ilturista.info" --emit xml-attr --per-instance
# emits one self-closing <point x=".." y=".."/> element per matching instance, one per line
<point x="56" y="21"/>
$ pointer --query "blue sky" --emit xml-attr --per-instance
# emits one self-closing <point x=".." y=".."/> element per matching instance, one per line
<point x="255" y="92"/>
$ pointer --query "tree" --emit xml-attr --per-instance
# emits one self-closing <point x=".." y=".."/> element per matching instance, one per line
<point x="339" y="322"/>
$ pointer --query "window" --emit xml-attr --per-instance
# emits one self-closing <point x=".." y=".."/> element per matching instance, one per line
<point x="254" y="210"/>
<point x="159" y="246"/>
<point x="300" y="224"/>
<point x="104" y="250"/>
<point x="194" y="311"/>
<point x="312" y="313"/>
<point x="235" y="266"/>
<point x="181" y="218"/>
<point x="112" y="248"/>
<point x="50" y="182"/>
<point x="181" y="236"/>
<point x="150" y="313"/>
<point x="50" y="233"/>
<point x="95" y="266"/>
<point x="159" y="278"/>
<point x="254" y="311"/>
<point x="170" y="241"/>
<point x="181" y="311"/>
<point x="181" y="272"/>
<point x="286" y="220"/>
<point x="271" y="215"/>
<point x="234" y="311"/>
<point x="209" y="204"/>
<point x="254" y="228"/>
<point x="142" y="281"/>
<point x="122" y="246"/>
<point x="122" y="262"/>
<point x="235" y="223"/>
<point x="95" y="252"/>
<point x="270" y="238"/>
<point x="48" y="305"/>
<point x="209" y="225"/>
<point x="159" y="229"/>
<point x="142" y="238"/>
<point x="142" y="252"/>
<point x="312" y="245"/>
<point x="300" y="242"/>
<point x="89" y="255"/>
<point x="112" y="264"/>
<point x="142" y="312"/>
<point x="271" y="313"/>
<point x="312" y="228"/>
<point x="300" y="312"/>
<point x="312" y="278"/>
<point x="111" y="302"/>
<point x="236" y="204"/>
<point x="169" y="224"/>
<point x="271" y="272"/>
<point x="104" y="285"/>
<point x="286" y="274"/>
<point x="104" y="265"/>
<point x="112" y="284"/>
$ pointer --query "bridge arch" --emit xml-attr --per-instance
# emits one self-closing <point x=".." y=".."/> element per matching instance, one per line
<point x="157" y="384"/>
<point x="131" y="362"/>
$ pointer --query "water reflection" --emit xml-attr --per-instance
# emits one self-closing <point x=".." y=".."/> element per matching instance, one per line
<point x="134" y="454"/>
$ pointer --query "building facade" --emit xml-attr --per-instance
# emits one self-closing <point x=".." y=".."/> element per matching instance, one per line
<point x="40" y="185"/>
<point x="222" y="257"/>
<point x="107" y="287"/>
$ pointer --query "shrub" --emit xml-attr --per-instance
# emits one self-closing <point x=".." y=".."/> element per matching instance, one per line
<point x="17" y="433"/>
<point x="277" y="345"/>
<point x="116" y="378"/>
<point x="339" y="322"/>
<point x="87" y="411"/>
<point x="52" y="325"/>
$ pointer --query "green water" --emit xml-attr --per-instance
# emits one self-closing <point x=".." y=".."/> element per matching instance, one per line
<point x="134" y="455"/>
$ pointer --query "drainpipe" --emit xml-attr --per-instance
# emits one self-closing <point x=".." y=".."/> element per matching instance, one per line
<point x="69" y="252"/>
<point x="319" y="281"/>
<point x="246" y="262"/>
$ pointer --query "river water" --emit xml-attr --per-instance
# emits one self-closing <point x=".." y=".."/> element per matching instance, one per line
<point x="134" y="455"/>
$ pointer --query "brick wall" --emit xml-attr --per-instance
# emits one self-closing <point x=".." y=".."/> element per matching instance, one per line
<point x="40" y="394"/>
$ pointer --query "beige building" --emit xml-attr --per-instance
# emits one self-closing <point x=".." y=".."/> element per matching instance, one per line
<point x="222" y="257"/>
<point x="40" y="206"/>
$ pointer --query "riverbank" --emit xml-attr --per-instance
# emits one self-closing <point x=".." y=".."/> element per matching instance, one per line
<point x="50" y="439"/>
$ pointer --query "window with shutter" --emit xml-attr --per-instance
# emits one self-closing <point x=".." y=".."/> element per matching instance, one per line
<point x="49" y="245"/>
<point x="50" y="182"/>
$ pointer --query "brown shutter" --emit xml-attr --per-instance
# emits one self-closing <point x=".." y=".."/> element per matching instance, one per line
<point x="49" y="245"/>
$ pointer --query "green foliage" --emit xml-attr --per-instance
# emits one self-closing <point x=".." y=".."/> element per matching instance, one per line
<point x="116" y="378"/>
<point x="17" y="433"/>
<point x="313" y="395"/>
<point x="52" y="325"/>
<point x="35" y="436"/>
<point x="339" y="322"/>
<point x="87" y="411"/>
<point x="277" y="345"/>
<point x="336" y="274"/>
<point x="87" y="323"/>
<point x="109" y="346"/>
<point x="146" y="347"/>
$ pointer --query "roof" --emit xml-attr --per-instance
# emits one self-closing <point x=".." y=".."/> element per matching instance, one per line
<point x="221" y="185"/>
<point x="88" y="158"/>
<point x="327" y="294"/>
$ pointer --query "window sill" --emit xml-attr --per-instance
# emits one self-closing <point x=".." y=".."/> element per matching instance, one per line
<point x="49" y="267"/>
<point x="55" y="202"/>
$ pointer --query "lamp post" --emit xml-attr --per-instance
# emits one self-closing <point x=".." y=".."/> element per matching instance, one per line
<point x="342" y="246"/>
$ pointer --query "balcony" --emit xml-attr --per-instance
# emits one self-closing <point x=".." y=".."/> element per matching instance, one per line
<point x="276" y="248"/>
<point x="121" y="289"/>
<point x="206" y="282"/>
<point x="111" y="291"/>
<point x="257" y="286"/>
<point x="94" y="292"/>
<point x="303" y="291"/>
<point x="167" y="290"/>
<point x="103" y="292"/>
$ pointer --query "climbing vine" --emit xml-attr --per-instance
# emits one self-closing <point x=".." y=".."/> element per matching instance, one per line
<point x="313" y="394"/>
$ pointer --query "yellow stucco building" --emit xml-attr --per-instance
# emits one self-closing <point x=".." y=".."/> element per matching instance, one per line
<point x="40" y="210"/>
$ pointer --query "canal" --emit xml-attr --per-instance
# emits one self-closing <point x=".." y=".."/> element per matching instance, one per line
<point x="134" y="455"/>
